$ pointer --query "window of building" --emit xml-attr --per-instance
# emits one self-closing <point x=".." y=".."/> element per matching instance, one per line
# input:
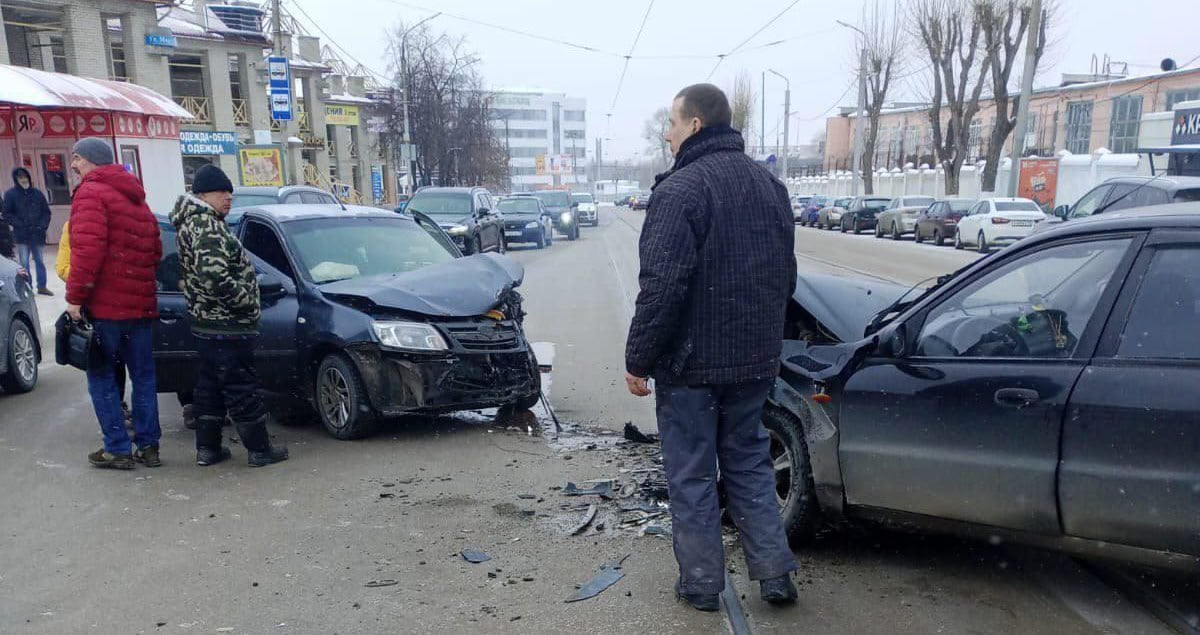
<point x="526" y="134"/>
<point x="573" y="134"/>
<point x="974" y="140"/>
<point x="1079" y="127"/>
<point x="235" y="77"/>
<point x="1031" y="135"/>
<point x="1183" y="94"/>
<point x="1124" y="124"/>
<point x="574" y="115"/>
<point x="187" y="75"/>
<point x="519" y="171"/>
<point x="118" y="70"/>
<point x="515" y="114"/>
<point x="526" y="153"/>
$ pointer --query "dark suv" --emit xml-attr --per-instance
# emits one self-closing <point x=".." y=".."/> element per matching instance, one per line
<point x="365" y="314"/>
<point x="468" y="214"/>
<point x="563" y="209"/>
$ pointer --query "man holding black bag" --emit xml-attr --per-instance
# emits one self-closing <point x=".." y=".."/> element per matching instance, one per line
<point x="115" y="249"/>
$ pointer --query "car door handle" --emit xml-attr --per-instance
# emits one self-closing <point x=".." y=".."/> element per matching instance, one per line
<point x="1017" y="397"/>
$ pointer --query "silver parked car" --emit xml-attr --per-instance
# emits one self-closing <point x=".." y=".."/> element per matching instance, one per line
<point x="900" y="216"/>
<point x="20" y="339"/>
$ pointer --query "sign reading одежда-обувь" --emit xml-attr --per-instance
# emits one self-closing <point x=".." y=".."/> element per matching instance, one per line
<point x="207" y="142"/>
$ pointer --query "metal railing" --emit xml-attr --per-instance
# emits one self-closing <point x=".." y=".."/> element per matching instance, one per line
<point x="198" y="106"/>
<point x="301" y="117"/>
<point x="241" y="112"/>
<point x="352" y="147"/>
<point x="344" y="191"/>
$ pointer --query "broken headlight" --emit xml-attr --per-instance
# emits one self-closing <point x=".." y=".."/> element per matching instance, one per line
<point x="409" y="336"/>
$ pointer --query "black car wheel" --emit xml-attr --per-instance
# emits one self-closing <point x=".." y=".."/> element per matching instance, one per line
<point x="938" y="238"/>
<point x="794" y="489"/>
<point x="22" y="374"/>
<point x="917" y="238"/>
<point x="878" y="231"/>
<point x="342" y="399"/>
<point x="982" y="243"/>
<point x="958" y="243"/>
<point x="896" y="235"/>
<point x="842" y="226"/>
<point x="573" y="232"/>
<point x="857" y="228"/>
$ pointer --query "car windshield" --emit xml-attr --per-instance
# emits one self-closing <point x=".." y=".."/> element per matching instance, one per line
<point x="454" y="204"/>
<point x="246" y="200"/>
<point x="1017" y="206"/>
<point x="332" y="249"/>
<point x="519" y="205"/>
<point x="582" y="198"/>
<point x="555" y="199"/>
<point x="917" y="201"/>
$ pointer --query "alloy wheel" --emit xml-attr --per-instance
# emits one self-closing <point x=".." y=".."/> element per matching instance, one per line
<point x="781" y="461"/>
<point x="333" y="395"/>
<point x="24" y="355"/>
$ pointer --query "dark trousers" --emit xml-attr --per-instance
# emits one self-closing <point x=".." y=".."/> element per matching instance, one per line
<point x="131" y="342"/>
<point x="228" y="386"/>
<point x="704" y="428"/>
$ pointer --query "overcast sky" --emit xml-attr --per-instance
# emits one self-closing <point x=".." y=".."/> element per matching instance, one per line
<point x="817" y="55"/>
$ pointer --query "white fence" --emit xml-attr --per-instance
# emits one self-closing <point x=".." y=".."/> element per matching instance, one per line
<point x="1076" y="175"/>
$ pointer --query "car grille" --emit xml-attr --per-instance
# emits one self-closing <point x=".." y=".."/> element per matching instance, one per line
<point x="487" y="336"/>
<point x="513" y="226"/>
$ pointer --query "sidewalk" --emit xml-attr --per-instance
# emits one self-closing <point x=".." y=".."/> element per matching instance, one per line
<point x="49" y="308"/>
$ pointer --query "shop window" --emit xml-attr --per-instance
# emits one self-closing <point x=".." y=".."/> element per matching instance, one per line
<point x="132" y="160"/>
<point x="1185" y="94"/>
<point x="54" y="178"/>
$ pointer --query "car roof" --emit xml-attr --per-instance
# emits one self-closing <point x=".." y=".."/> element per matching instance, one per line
<point x="451" y="190"/>
<point x="1177" y="215"/>
<point x="1007" y="199"/>
<point x="294" y="211"/>
<point x="272" y="190"/>
<point x="1161" y="182"/>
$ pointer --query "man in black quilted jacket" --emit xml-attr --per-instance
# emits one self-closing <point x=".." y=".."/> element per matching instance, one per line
<point x="717" y="270"/>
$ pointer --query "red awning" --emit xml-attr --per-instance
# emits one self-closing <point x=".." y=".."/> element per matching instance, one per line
<point x="20" y="86"/>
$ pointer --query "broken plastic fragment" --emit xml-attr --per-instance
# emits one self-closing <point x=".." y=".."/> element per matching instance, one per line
<point x="603" y="489"/>
<point x="637" y="436"/>
<point x="608" y="575"/>
<point x="475" y="557"/>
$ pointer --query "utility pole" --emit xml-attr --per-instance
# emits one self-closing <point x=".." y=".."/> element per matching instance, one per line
<point x="762" y="121"/>
<point x="507" y="155"/>
<point x="859" y="120"/>
<point x="787" y="114"/>
<point x="1031" y="42"/>
<point x="285" y="125"/>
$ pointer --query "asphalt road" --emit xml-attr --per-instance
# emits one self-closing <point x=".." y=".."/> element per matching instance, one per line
<point x="291" y="548"/>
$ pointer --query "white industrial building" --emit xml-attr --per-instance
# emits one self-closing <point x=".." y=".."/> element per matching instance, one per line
<point x="545" y="135"/>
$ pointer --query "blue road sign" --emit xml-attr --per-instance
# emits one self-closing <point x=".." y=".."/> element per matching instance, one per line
<point x="280" y="88"/>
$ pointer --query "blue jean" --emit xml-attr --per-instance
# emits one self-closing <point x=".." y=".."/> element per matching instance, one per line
<point x="34" y="250"/>
<point x="133" y="342"/>
<point x="704" y="427"/>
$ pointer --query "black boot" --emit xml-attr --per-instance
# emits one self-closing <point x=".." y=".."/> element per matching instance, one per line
<point x="706" y="602"/>
<point x="258" y="443"/>
<point x="209" y="450"/>
<point x="779" y="590"/>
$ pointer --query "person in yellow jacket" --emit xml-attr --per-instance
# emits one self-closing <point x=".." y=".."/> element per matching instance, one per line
<point x="62" y="266"/>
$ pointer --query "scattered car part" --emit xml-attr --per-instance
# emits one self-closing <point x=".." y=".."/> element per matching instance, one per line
<point x="608" y="575"/>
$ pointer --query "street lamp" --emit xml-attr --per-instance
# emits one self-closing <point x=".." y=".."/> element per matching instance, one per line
<point x="412" y="159"/>
<point x="787" y="111"/>
<point x="862" y="106"/>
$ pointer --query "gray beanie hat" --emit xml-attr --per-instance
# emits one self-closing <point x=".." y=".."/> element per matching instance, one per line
<point x="95" y="150"/>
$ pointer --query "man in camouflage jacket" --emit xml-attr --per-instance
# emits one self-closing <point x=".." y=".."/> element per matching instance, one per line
<point x="221" y="288"/>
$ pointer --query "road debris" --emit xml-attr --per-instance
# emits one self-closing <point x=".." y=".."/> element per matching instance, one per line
<point x="608" y="575"/>
<point x="603" y="489"/>
<point x="656" y="530"/>
<point x="637" y="436"/>
<point x="380" y="583"/>
<point x="588" y="517"/>
<point x="475" y="557"/>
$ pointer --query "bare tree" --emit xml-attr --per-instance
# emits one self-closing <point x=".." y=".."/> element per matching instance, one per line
<point x="743" y="100"/>
<point x="954" y="44"/>
<point x="654" y="131"/>
<point x="451" y="124"/>
<point x="883" y="43"/>
<point x="1004" y="24"/>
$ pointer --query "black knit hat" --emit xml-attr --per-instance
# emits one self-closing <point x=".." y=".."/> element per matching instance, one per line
<point x="210" y="178"/>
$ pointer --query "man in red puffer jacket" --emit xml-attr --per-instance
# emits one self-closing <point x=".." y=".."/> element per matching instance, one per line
<point x="115" y="249"/>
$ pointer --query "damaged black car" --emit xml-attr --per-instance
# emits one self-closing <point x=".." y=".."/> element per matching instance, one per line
<point x="1045" y="395"/>
<point x="365" y="315"/>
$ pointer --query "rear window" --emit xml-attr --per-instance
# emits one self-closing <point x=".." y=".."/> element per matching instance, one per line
<point x="434" y="203"/>
<point x="520" y="205"/>
<point x="960" y="206"/>
<point x="842" y="202"/>
<point x="246" y="200"/>
<point x="917" y="201"/>
<point x="876" y="203"/>
<point x="1017" y="206"/>
<point x="1187" y="196"/>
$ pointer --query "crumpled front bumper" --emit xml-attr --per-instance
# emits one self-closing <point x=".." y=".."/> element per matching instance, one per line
<point x="401" y="383"/>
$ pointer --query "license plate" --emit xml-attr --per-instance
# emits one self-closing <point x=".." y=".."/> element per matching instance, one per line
<point x="1022" y="223"/>
<point x="512" y="234"/>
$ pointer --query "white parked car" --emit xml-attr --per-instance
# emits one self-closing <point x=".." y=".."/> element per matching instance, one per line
<point x="588" y="215"/>
<point x="997" y="221"/>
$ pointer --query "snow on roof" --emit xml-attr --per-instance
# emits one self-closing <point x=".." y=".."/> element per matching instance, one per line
<point x="350" y="99"/>
<point x="185" y="23"/>
<point x="29" y="87"/>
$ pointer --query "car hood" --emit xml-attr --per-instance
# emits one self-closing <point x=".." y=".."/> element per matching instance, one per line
<point x="512" y="216"/>
<point x="447" y="221"/>
<point x="844" y="306"/>
<point x="463" y="287"/>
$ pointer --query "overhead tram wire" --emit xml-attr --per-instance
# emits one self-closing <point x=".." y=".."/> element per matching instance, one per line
<point x="628" y="56"/>
<point x="333" y="42"/>
<point x="721" y="58"/>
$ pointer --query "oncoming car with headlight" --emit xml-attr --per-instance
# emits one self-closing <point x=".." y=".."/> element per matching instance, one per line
<point x="365" y="314"/>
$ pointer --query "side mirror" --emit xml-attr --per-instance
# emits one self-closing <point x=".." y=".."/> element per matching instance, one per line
<point x="401" y="207"/>
<point x="483" y="211"/>
<point x="1062" y="211"/>
<point x="574" y="204"/>
<point x="893" y="342"/>
<point x="270" y="286"/>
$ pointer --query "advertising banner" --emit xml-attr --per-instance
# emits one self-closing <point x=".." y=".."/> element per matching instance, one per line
<point x="341" y="115"/>
<point x="1039" y="182"/>
<point x="207" y="142"/>
<point x="377" y="183"/>
<point x="260" y="166"/>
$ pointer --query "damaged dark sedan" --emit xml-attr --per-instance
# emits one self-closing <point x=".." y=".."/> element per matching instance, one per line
<point x="1045" y="395"/>
<point x="366" y="315"/>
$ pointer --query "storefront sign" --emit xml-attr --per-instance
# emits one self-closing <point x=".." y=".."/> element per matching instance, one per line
<point x="377" y="183"/>
<point x="67" y="124"/>
<point x="207" y="142"/>
<point x="161" y="41"/>
<point x="341" y="115"/>
<point x="280" y="88"/>
<point x="311" y="141"/>
<point x="1187" y="127"/>
<point x="1039" y="182"/>
<point x="553" y="164"/>
<point x="260" y="166"/>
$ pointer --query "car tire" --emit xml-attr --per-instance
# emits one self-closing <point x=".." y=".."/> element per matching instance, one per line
<point x="541" y="241"/>
<point x="938" y="239"/>
<point x="917" y="238"/>
<point x="796" y="493"/>
<point x="896" y="235"/>
<point x="573" y="232"/>
<point x="982" y="245"/>
<point x="341" y="399"/>
<point x="503" y="246"/>
<point x="958" y="243"/>
<point x="878" y="230"/>
<point x="842" y="227"/>
<point x="857" y="228"/>
<point x="22" y="374"/>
